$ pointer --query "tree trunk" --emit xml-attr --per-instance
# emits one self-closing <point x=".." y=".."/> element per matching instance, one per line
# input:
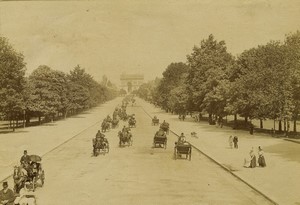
<point x="210" y="120"/>
<point x="246" y="120"/>
<point x="261" y="124"/>
<point x="235" y="121"/>
<point x="280" y="126"/>
<point x="295" y="126"/>
<point x="284" y="125"/>
<point x="39" y="119"/>
<point x="13" y="125"/>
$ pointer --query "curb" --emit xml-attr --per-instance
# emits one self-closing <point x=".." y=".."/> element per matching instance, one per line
<point x="227" y="169"/>
<point x="295" y="141"/>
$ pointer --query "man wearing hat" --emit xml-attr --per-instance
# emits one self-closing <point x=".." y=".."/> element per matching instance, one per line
<point x="25" y="159"/>
<point x="7" y="196"/>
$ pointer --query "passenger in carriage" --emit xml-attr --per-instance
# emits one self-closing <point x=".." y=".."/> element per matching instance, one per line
<point x="124" y="129"/>
<point x="99" y="134"/>
<point x="108" y="118"/>
<point x="181" y="139"/>
<point x="25" y="158"/>
<point x="160" y="133"/>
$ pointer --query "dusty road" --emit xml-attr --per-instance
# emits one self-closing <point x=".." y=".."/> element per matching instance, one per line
<point x="137" y="174"/>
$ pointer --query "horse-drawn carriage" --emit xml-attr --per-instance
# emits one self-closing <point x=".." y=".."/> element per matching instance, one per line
<point x="132" y="122"/>
<point x="155" y="121"/>
<point x="123" y="115"/>
<point x="100" y="145"/>
<point x="125" y="138"/>
<point x="183" y="149"/>
<point x="25" y="199"/>
<point x="165" y="127"/>
<point x="29" y="175"/>
<point x="105" y="126"/>
<point x="115" y="123"/>
<point x="160" y="138"/>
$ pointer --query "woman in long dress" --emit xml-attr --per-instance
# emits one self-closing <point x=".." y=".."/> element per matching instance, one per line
<point x="251" y="161"/>
<point x="261" y="158"/>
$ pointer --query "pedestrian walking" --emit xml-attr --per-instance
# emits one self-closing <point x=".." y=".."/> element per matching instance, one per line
<point x="261" y="158"/>
<point x="251" y="161"/>
<point x="230" y="141"/>
<point x="235" y="142"/>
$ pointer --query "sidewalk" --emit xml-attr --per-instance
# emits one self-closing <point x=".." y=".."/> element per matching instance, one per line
<point x="41" y="139"/>
<point x="280" y="180"/>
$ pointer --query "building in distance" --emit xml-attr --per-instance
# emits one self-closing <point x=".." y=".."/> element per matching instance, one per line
<point x="131" y="82"/>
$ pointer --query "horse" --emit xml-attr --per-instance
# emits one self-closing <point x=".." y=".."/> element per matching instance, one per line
<point x="125" y="137"/>
<point x="20" y="176"/>
<point x="105" y="126"/>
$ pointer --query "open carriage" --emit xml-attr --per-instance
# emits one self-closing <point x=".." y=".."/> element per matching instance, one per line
<point x="165" y="127"/>
<point x="125" y="138"/>
<point x="100" y="146"/>
<point x="105" y="126"/>
<point x="115" y="123"/>
<point x="132" y="122"/>
<point x="25" y="198"/>
<point x="155" y="121"/>
<point x="181" y="149"/>
<point x="29" y="176"/>
<point x="160" y="139"/>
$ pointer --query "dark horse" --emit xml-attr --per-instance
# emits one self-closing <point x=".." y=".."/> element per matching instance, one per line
<point x="125" y="138"/>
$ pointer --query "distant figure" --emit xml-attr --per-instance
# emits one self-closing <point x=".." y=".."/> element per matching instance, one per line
<point x="230" y="141"/>
<point x="251" y="129"/>
<point x="7" y="196"/>
<point x="235" y="142"/>
<point x="181" y="139"/>
<point x="261" y="158"/>
<point x="251" y="162"/>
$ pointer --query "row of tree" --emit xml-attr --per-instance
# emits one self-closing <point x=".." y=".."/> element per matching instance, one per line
<point x="46" y="92"/>
<point x="261" y="83"/>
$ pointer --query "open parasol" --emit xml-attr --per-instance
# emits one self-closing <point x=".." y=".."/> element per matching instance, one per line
<point x="35" y="158"/>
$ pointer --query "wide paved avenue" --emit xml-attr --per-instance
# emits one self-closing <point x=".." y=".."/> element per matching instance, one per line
<point x="136" y="175"/>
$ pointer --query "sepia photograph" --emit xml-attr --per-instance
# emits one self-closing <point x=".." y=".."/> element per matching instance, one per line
<point x="150" y="102"/>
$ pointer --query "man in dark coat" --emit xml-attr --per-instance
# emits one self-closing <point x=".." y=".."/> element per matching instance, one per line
<point x="7" y="196"/>
<point x="235" y="142"/>
<point x="25" y="159"/>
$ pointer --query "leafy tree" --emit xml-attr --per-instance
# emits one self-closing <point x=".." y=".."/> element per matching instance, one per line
<point x="292" y="50"/>
<point x="173" y="77"/>
<point x="262" y="89"/>
<point x="208" y="78"/>
<point x="12" y="71"/>
<point x="178" y="99"/>
<point x="49" y="90"/>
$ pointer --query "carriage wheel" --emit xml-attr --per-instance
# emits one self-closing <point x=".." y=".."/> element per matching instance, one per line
<point x="33" y="184"/>
<point x="43" y="178"/>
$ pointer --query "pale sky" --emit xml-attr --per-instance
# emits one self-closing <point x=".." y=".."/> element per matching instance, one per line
<point x="111" y="37"/>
